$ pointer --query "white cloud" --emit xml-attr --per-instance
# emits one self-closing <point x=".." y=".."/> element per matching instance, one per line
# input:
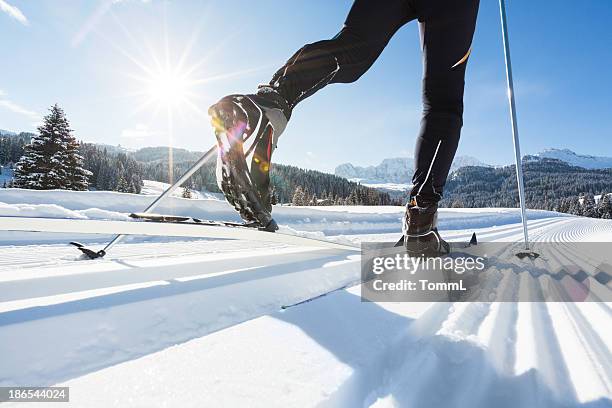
<point x="138" y="132"/>
<point x="13" y="107"/>
<point x="13" y="12"/>
<point x="16" y="108"/>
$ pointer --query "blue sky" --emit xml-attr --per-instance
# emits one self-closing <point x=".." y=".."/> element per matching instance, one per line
<point x="101" y="60"/>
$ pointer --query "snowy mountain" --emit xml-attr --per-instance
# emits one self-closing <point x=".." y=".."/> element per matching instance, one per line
<point x="394" y="170"/>
<point x="575" y="159"/>
<point x="462" y="161"/>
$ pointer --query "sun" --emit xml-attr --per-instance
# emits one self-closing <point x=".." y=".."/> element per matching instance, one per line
<point x="168" y="87"/>
<point x="164" y="80"/>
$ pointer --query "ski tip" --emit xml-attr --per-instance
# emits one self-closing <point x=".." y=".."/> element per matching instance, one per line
<point x="399" y="243"/>
<point x="473" y="240"/>
<point x="89" y="253"/>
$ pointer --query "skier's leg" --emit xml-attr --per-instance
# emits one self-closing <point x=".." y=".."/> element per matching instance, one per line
<point x="368" y="28"/>
<point x="248" y="126"/>
<point x="447" y="28"/>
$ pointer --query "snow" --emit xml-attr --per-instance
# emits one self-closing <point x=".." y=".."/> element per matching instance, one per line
<point x="155" y="188"/>
<point x="192" y="323"/>
<point x="329" y="220"/>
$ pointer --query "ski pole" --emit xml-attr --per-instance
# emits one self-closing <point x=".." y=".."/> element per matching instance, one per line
<point x="207" y="156"/>
<point x="515" y="137"/>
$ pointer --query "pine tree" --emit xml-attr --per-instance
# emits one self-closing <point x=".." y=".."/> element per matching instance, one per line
<point x="135" y="184"/>
<point x="298" y="196"/>
<point x="457" y="204"/>
<point x="273" y="197"/>
<point x="307" y="196"/>
<point x="187" y="192"/>
<point x="122" y="185"/>
<point x="588" y="205"/>
<point x="604" y="207"/>
<point x="51" y="160"/>
<point x="575" y="206"/>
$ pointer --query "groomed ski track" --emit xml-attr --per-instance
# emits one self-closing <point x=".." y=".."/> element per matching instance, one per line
<point x="180" y="322"/>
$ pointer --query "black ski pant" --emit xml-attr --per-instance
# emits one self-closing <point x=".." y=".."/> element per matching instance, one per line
<point x="446" y="28"/>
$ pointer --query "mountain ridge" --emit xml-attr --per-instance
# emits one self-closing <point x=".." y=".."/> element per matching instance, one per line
<point x="394" y="170"/>
<point x="399" y="170"/>
<point x="585" y="161"/>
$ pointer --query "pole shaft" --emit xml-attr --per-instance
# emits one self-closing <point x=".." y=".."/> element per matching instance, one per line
<point x="207" y="156"/>
<point x="513" y="120"/>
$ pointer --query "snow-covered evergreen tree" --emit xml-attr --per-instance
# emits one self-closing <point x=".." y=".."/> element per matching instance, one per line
<point x="298" y="196"/>
<point x="134" y="188"/>
<point x="306" y="197"/>
<point x="51" y="160"/>
<point x="588" y="206"/>
<point x="604" y="207"/>
<point x="122" y="185"/>
<point x="273" y="197"/>
<point x="186" y="192"/>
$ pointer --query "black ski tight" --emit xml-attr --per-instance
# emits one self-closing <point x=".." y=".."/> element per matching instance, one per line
<point x="446" y="27"/>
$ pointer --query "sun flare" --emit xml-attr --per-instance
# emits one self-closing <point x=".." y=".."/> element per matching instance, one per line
<point x="168" y="87"/>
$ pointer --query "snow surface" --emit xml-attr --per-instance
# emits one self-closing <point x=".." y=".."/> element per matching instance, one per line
<point x="330" y="220"/>
<point x="155" y="188"/>
<point x="194" y="323"/>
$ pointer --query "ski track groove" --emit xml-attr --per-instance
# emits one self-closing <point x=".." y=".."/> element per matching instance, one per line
<point x="508" y="330"/>
<point x="598" y="354"/>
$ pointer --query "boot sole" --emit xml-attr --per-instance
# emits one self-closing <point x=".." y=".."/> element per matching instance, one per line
<point x="235" y="179"/>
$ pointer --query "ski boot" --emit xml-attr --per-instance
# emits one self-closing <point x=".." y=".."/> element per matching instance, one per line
<point x="420" y="230"/>
<point x="247" y="128"/>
